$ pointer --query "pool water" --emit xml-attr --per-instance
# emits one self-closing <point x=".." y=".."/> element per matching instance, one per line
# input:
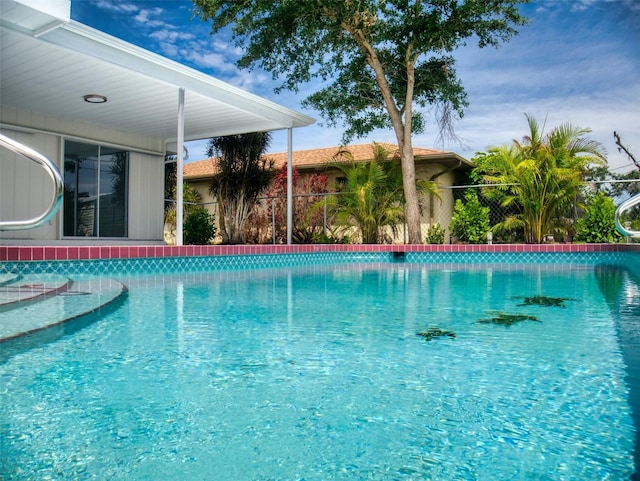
<point x="318" y="373"/>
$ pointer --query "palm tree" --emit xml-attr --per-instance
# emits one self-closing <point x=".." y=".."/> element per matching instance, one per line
<point x="540" y="176"/>
<point x="243" y="174"/>
<point x="371" y="195"/>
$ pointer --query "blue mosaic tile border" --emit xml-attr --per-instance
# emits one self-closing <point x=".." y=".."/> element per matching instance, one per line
<point x="520" y="258"/>
<point x="155" y="265"/>
<point x="169" y="265"/>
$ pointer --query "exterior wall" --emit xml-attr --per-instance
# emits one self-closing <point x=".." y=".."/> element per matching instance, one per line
<point x="25" y="188"/>
<point x="146" y="196"/>
<point x="437" y="210"/>
<point x="202" y="186"/>
<point x="434" y="209"/>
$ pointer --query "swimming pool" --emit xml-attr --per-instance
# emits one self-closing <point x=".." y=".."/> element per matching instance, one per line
<point x="312" y="367"/>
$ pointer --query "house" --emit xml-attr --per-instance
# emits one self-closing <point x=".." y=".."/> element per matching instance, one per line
<point x="106" y="114"/>
<point x="444" y="168"/>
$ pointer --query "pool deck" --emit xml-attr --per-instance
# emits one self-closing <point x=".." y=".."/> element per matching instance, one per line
<point x="75" y="252"/>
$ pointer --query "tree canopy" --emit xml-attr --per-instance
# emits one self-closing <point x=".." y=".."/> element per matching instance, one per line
<point x="379" y="61"/>
<point x="243" y="173"/>
<point x="542" y="175"/>
<point x="370" y="195"/>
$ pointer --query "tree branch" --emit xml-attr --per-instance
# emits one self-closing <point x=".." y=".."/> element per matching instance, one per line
<point x="622" y="148"/>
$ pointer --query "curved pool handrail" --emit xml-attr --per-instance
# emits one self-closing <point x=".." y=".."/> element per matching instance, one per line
<point x="52" y="171"/>
<point x="626" y="205"/>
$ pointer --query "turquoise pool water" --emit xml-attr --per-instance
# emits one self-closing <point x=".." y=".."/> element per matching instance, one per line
<point x="318" y="373"/>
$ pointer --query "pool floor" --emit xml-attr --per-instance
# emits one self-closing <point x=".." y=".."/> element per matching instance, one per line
<point x="318" y="373"/>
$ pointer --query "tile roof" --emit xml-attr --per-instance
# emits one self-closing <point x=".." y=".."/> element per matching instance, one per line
<point x="317" y="158"/>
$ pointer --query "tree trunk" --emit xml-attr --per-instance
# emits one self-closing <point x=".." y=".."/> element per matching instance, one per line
<point x="221" y="220"/>
<point x="233" y="221"/>
<point x="401" y="128"/>
<point x="412" y="206"/>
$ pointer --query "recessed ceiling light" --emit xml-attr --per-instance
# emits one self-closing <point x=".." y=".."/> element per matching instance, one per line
<point x="95" y="98"/>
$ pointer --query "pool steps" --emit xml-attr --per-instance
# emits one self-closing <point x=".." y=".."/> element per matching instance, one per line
<point x="17" y="289"/>
<point x="32" y="303"/>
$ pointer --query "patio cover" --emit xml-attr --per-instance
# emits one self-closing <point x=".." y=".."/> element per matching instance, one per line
<point x="49" y="62"/>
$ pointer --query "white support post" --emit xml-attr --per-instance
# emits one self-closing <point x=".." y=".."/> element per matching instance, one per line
<point x="179" y="168"/>
<point x="289" y="185"/>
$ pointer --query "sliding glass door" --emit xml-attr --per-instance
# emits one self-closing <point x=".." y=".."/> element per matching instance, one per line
<point x="95" y="190"/>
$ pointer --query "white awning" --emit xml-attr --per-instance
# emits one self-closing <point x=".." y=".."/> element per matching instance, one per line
<point x="48" y="64"/>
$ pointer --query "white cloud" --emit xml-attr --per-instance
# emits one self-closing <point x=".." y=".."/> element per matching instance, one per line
<point x="228" y="48"/>
<point x="116" y="6"/>
<point x="144" y="17"/>
<point x="253" y="81"/>
<point x="144" y="14"/>
<point x="211" y="60"/>
<point x="580" y="5"/>
<point x="171" y="36"/>
<point x="583" y="75"/>
<point x="168" y="49"/>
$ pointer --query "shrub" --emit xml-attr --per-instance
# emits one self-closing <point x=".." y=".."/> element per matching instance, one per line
<point x="597" y="224"/>
<point x="435" y="234"/>
<point x="257" y="230"/>
<point x="199" y="227"/>
<point x="307" y="219"/>
<point x="470" y="221"/>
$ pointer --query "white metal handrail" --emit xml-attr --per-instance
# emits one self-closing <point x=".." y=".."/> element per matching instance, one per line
<point x="52" y="171"/>
<point x="626" y="205"/>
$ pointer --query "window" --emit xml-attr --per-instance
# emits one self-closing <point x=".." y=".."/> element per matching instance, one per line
<point x="95" y="190"/>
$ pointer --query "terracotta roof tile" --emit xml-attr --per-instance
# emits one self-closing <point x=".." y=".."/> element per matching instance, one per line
<point x="316" y="158"/>
<point x="199" y="168"/>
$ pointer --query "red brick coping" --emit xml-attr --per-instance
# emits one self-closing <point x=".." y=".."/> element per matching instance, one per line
<point x="46" y="253"/>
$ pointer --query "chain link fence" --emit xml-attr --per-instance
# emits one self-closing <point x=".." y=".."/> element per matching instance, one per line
<point x="616" y="190"/>
<point x="314" y="223"/>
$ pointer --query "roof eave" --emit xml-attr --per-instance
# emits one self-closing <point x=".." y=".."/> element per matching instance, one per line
<point x="89" y="41"/>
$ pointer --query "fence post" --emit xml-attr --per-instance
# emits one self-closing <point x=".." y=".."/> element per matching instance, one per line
<point x="273" y="220"/>
<point x="324" y="220"/>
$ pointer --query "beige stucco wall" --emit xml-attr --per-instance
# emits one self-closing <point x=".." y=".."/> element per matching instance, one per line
<point x="26" y="190"/>
<point x="437" y="210"/>
<point x="434" y="209"/>
<point x="202" y="186"/>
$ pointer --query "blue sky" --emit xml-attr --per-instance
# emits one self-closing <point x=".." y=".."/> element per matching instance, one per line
<point x="576" y="61"/>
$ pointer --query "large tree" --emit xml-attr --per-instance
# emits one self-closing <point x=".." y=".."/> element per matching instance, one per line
<point x="380" y="61"/>
<point x="242" y="174"/>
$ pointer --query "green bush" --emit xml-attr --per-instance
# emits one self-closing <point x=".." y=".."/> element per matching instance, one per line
<point x="470" y="221"/>
<point x="435" y="234"/>
<point x="199" y="227"/>
<point x="598" y="225"/>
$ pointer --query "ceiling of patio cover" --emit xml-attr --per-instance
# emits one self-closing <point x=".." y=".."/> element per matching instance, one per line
<point x="47" y="65"/>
